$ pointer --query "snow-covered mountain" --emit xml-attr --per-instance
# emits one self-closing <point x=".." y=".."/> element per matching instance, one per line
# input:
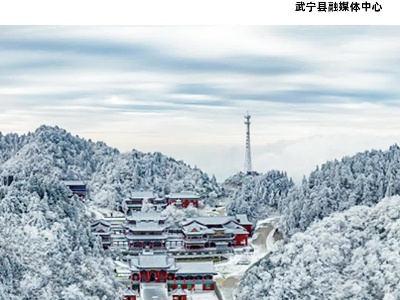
<point x="53" y="151"/>
<point x="132" y="171"/>
<point x="349" y="255"/>
<point x="363" y="179"/>
<point x="46" y="248"/>
<point x="111" y="175"/>
<point x="257" y="195"/>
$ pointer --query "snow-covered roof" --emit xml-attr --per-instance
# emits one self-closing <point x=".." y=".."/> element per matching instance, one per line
<point x="159" y="199"/>
<point x="115" y="220"/>
<point x="146" y="226"/>
<point x="183" y="195"/>
<point x="146" y="237"/>
<point x="204" y="267"/>
<point x="194" y="227"/>
<point x="118" y="238"/>
<point x="96" y="223"/>
<point x="210" y="220"/>
<point x="179" y="291"/>
<point x="236" y="228"/>
<point x="145" y="216"/>
<point x="122" y="268"/>
<point x="121" y="264"/>
<point x="195" y="241"/>
<point x="148" y="260"/>
<point x="117" y="226"/>
<point x="142" y="195"/>
<point x="74" y="182"/>
<point x="130" y="292"/>
<point x="225" y="224"/>
<point x="242" y="218"/>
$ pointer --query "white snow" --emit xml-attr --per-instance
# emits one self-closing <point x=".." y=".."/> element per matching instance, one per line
<point x="203" y="296"/>
<point x="230" y="272"/>
<point x="102" y="212"/>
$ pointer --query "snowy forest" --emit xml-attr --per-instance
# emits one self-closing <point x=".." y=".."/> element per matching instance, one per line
<point x="46" y="249"/>
<point x="340" y="236"/>
<point x="257" y="195"/>
<point x="349" y="255"/>
<point x="363" y="179"/>
<point x="110" y="175"/>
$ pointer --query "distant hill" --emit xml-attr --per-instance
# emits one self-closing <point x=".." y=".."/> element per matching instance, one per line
<point x="111" y="175"/>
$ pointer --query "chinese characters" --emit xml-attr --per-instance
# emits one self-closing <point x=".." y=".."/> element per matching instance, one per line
<point x="342" y="6"/>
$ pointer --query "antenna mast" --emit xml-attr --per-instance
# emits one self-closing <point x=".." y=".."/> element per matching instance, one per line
<point x="247" y="164"/>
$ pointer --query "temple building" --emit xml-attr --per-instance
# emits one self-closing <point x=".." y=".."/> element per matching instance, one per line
<point x="145" y="230"/>
<point x="130" y="295"/>
<point x="183" y="199"/>
<point x="102" y="228"/>
<point x="136" y="201"/>
<point x="162" y="268"/>
<point x="77" y="187"/>
<point x="214" y="232"/>
<point x="7" y="180"/>
<point x="141" y="230"/>
<point x="179" y="294"/>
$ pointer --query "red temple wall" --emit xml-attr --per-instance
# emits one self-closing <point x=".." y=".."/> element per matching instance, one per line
<point x="240" y="238"/>
<point x="249" y="228"/>
<point x="185" y="202"/>
<point x="153" y="276"/>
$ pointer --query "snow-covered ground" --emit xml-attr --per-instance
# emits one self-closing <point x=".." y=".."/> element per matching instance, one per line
<point x="230" y="272"/>
<point x="203" y="296"/>
<point x="191" y="296"/>
<point x="269" y="220"/>
<point x="100" y="212"/>
<point x="152" y="291"/>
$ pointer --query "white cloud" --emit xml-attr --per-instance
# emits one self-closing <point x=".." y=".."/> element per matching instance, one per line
<point x="315" y="93"/>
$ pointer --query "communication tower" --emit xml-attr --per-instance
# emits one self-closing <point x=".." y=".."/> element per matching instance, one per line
<point x="247" y="164"/>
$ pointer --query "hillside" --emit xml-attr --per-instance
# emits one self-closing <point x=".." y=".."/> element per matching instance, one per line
<point x="52" y="151"/>
<point x="132" y="171"/>
<point x="257" y="195"/>
<point x="363" y="179"/>
<point x="46" y="248"/>
<point x="111" y="175"/>
<point x="349" y="255"/>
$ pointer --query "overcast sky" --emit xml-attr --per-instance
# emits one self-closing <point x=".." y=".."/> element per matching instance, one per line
<point x="314" y="93"/>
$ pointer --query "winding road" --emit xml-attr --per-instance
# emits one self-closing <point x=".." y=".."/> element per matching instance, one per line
<point x="259" y="242"/>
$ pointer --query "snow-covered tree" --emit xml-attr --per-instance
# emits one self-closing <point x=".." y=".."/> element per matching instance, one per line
<point x="338" y="185"/>
<point x="257" y="195"/>
<point x="46" y="248"/>
<point x="349" y="255"/>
